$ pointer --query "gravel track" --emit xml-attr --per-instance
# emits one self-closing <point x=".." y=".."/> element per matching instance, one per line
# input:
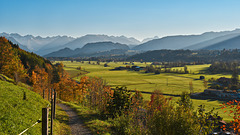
<point x="77" y="126"/>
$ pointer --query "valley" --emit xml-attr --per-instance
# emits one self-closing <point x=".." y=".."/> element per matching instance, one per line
<point x="168" y="83"/>
<point x="120" y="67"/>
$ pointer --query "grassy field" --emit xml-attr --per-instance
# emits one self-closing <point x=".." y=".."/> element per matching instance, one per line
<point x="170" y="84"/>
<point x="17" y="114"/>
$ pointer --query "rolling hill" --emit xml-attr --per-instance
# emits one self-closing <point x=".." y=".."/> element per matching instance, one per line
<point x="233" y="43"/>
<point x="205" y="44"/>
<point x="87" y="49"/>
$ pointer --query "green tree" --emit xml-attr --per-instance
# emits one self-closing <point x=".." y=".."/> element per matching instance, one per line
<point x="120" y="102"/>
<point x="235" y="78"/>
<point x="185" y="102"/>
<point x="191" y="87"/>
<point x="185" y="70"/>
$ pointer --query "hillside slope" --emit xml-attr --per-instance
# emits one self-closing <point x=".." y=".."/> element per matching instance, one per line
<point x="182" y="41"/>
<point x="17" y="114"/>
<point x="233" y="43"/>
<point x="205" y="44"/>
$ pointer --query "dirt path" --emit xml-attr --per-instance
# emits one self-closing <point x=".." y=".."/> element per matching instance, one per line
<point x="77" y="126"/>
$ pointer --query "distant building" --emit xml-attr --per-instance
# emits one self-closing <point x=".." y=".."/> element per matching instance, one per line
<point x="202" y="77"/>
<point x="135" y="68"/>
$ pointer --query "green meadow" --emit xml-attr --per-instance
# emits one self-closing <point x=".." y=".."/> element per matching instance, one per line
<point x="18" y="113"/>
<point x="170" y="84"/>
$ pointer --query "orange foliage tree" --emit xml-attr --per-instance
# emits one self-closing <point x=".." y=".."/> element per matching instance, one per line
<point x="10" y="64"/>
<point x="39" y="80"/>
<point x="235" y="110"/>
<point x="65" y="87"/>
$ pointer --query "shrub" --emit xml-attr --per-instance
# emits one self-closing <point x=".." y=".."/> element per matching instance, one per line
<point x="164" y="118"/>
<point x="120" y="102"/>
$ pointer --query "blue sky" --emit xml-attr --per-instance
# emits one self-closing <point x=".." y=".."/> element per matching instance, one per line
<point x="132" y="18"/>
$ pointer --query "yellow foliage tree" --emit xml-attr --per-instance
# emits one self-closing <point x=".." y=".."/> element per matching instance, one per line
<point x="40" y="81"/>
<point x="10" y="64"/>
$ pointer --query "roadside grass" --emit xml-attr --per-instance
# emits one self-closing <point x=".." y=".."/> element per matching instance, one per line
<point x="17" y="114"/>
<point x="60" y="124"/>
<point x="168" y="83"/>
<point x="97" y="123"/>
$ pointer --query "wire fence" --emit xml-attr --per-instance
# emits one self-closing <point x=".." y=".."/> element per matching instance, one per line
<point x="38" y="121"/>
<point x="53" y="101"/>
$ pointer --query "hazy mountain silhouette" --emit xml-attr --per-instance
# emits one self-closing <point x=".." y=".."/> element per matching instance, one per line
<point x="233" y="43"/>
<point x="20" y="45"/>
<point x="211" y="42"/>
<point x="89" y="48"/>
<point x="54" y="45"/>
<point x="181" y="41"/>
<point x="31" y="42"/>
<point x="80" y="42"/>
<point x="149" y="39"/>
<point x="46" y="45"/>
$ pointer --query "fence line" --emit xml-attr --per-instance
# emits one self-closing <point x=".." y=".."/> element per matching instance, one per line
<point x="38" y="121"/>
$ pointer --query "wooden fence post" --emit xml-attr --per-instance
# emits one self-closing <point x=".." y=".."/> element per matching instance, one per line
<point x="43" y="94"/>
<point x="54" y="105"/>
<point x="51" y="129"/>
<point x="44" y="121"/>
<point x="49" y="94"/>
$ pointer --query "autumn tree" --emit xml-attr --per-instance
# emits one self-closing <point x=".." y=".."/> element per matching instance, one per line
<point x="235" y="112"/>
<point x="39" y="80"/>
<point x="10" y="64"/>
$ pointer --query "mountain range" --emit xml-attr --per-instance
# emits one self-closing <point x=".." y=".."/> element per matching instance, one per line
<point x="43" y="46"/>
<point x="89" y="49"/>
<point x="62" y="46"/>
<point x="193" y="42"/>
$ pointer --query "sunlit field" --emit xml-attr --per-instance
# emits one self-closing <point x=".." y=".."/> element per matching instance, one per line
<point x="170" y="84"/>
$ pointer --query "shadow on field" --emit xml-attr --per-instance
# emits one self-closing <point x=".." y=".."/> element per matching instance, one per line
<point x="61" y="117"/>
<point x="200" y="96"/>
<point x="146" y="92"/>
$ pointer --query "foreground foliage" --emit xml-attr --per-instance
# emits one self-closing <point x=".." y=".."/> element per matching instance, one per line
<point x="129" y="114"/>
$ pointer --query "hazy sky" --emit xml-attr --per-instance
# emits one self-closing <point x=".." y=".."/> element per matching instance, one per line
<point x="132" y="18"/>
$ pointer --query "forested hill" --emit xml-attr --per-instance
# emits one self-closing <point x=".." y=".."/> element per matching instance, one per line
<point x="206" y="56"/>
<point x="19" y="64"/>
<point x="37" y="72"/>
<point x="21" y="104"/>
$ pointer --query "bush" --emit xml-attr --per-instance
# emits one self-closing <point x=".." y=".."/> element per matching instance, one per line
<point x="120" y="102"/>
<point x="164" y="118"/>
